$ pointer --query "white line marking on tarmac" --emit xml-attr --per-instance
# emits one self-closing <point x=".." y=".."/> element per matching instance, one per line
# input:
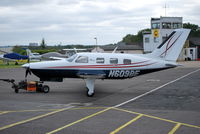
<point x="155" y="89"/>
<point x="121" y="104"/>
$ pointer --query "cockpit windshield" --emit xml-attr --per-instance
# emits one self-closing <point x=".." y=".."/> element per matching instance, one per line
<point x="70" y="59"/>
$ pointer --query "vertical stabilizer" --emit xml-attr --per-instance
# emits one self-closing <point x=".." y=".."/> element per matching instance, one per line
<point x="28" y="52"/>
<point x="171" y="48"/>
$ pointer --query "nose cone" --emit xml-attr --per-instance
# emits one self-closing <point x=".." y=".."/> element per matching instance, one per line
<point x="27" y="65"/>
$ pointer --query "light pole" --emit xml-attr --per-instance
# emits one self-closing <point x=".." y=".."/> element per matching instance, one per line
<point x="96" y="43"/>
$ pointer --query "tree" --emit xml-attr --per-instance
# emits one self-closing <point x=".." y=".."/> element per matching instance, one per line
<point x="43" y="44"/>
<point x="128" y="39"/>
<point x="19" y="50"/>
<point x="132" y="39"/>
<point x="195" y="32"/>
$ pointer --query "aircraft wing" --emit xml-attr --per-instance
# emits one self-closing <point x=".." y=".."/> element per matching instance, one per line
<point x="56" y="58"/>
<point x="6" y="59"/>
<point x="73" y="49"/>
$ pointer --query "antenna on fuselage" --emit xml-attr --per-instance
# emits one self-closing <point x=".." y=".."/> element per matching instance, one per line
<point x="115" y="49"/>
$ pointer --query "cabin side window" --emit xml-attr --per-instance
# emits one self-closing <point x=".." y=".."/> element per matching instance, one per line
<point x="113" y="60"/>
<point x="127" y="61"/>
<point x="82" y="59"/>
<point x="100" y="60"/>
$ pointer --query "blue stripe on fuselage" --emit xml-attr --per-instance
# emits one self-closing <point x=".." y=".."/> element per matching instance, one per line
<point x="106" y="74"/>
<point x="72" y="73"/>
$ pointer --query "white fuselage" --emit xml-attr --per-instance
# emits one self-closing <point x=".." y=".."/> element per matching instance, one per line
<point x="91" y="66"/>
<point x="98" y="65"/>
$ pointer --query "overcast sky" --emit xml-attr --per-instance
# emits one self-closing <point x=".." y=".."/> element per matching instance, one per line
<point x="79" y="21"/>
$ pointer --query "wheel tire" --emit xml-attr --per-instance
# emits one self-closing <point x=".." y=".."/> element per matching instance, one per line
<point x="45" y="89"/>
<point x="16" y="90"/>
<point x="89" y="95"/>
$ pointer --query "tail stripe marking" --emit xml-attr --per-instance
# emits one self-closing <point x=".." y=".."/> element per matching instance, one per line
<point x="167" y="48"/>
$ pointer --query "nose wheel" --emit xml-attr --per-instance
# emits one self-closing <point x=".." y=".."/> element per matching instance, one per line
<point x="89" y="94"/>
<point x="16" y="90"/>
<point x="90" y="86"/>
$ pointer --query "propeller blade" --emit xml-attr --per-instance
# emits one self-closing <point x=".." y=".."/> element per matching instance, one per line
<point x="28" y="71"/>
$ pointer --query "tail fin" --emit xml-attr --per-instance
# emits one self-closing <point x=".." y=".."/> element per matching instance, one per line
<point x="29" y="53"/>
<point x="171" y="48"/>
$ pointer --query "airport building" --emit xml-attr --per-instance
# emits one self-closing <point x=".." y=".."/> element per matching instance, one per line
<point x="161" y="28"/>
<point x="33" y="44"/>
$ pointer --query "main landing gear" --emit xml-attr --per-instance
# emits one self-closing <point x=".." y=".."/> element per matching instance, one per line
<point x="90" y="86"/>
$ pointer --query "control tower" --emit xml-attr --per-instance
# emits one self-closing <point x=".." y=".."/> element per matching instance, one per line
<point x="161" y="28"/>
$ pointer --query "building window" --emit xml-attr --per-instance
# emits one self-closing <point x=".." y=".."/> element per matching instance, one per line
<point x="177" y="25"/>
<point x="113" y="60"/>
<point x="155" y="25"/>
<point x="146" y="40"/>
<point x="191" y="51"/>
<point x="100" y="60"/>
<point x="166" y="25"/>
<point x="156" y="40"/>
<point x="127" y="61"/>
<point x="82" y="59"/>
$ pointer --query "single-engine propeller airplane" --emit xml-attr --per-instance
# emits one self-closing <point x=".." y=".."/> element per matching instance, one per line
<point x="92" y="66"/>
<point x="13" y="57"/>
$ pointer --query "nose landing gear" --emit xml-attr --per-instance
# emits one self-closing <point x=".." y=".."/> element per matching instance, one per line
<point x="90" y="86"/>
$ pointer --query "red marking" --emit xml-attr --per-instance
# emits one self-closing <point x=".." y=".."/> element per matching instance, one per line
<point x="167" y="48"/>
<point x="103" y="66"/>
<point x="168" y="44"/>
<point x="94" y="66"/>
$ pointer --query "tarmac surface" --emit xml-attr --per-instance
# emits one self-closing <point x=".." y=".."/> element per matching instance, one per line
<point x="164" y="102"/>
